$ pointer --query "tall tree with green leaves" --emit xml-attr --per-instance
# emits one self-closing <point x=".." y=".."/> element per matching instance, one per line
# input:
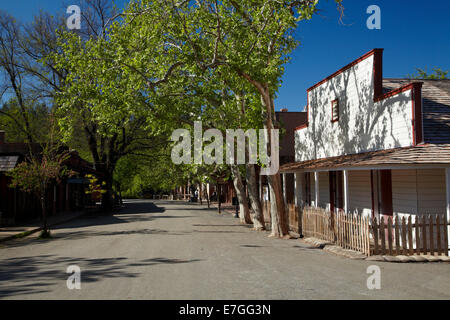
<point x="168" y="50"/>
<point x="253" y="40"/>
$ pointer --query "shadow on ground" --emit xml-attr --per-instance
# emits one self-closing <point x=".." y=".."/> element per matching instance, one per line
<point x="35" y="274"/>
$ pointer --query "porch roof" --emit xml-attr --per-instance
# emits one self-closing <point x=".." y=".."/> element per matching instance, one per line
<point x="420" y="155"/>
<point x="8" y="162"/>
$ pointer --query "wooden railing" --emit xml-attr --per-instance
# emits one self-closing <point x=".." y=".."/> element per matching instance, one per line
<point x="401" y="236"/>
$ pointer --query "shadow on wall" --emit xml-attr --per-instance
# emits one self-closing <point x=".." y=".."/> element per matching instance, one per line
<point x="363" y="125"/>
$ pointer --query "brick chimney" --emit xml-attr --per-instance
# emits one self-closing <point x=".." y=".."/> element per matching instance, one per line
<point x="284" y="110"/>
<point x="2" y="136"/>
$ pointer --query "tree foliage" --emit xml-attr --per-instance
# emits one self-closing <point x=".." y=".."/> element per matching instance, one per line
<point x="437" y="73"/>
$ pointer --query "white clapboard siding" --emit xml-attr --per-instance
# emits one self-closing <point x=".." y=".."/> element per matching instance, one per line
<point x="431" y="191"/>
<point x="404" y="192"/>
<point x="360" y="193"/>
<point x="324" y="190"/>
<point x="364" y="125"/>
<point x="419" y="191"/>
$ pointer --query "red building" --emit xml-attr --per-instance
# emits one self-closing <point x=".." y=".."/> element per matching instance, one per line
<point x="16" y="205"/>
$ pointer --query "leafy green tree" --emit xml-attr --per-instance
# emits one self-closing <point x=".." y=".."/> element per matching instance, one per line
<point x="437" y="73"/>
<point x="170" y="62"/>
<point x="12" y="122"/>
<point x="252" y="40"/>
<point x="39" y="170"/>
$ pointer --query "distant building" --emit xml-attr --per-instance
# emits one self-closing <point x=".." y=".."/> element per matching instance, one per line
<point x="16" y="205"/>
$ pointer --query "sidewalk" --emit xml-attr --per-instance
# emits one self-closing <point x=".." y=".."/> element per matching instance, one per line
<point x="8" y="233"/>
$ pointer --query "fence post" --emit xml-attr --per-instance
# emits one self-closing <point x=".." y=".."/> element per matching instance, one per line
<point x="430" y="219"/>
<point x="446" y="235"/>
<point x="438" y="235"/>
<point x="397" y="236"/>
<point x="424" y="234"/>
<point x="411" y="249"/>
<point x="417" y="226"/>
<point x="382" y="236"/>
<point x="375" y="235"/>
<point x="390" y="235"/>
<point x="404" y="239"/>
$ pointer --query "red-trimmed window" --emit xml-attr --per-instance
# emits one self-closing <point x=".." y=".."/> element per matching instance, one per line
<point x="335" y="110"/>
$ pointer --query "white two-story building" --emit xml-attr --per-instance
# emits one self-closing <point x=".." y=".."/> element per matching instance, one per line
<point x="377" y="146"/>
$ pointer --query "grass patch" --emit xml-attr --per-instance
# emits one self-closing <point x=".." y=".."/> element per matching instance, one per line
<point x="24" y="234"/>
<point x="45" y="234"/>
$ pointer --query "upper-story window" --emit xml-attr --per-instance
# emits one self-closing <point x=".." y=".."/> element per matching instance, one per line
<point x="335" y="110"/>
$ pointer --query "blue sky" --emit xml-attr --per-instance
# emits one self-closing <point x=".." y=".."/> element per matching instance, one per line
<point x="413" y="34"/>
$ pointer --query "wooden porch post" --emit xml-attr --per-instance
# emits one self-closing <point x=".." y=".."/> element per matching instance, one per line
<point x="447" y="186"/>
<point x="316" y="189"/>
<point x="345" y="178"/>
<point x="298" y="200"/>
<point x="284" y="188"/>
<point x="298" y="189"/>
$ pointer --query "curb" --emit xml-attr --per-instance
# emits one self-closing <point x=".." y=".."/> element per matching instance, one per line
<point x="355" y="255"/>
<point x="26" y="233"/>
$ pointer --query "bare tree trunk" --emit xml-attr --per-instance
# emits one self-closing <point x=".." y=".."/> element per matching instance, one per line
<point x="218" y="198"/>
<point x="253" y="193"/>
<point x="107" y="202"/>
<point x="44" y="213"/>
<point x="278" y="213"/>
<point x="244" y="212"/>
<point x="280" y="225"/>
<point x="207" y="198"/>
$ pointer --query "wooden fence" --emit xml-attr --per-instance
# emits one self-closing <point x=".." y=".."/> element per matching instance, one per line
<point x="402" y="236"/>
<point x="292" y="214"/>
<point x="352" y="232"/>
<point x="316" y="223"/>
<point x="398" y="236"/>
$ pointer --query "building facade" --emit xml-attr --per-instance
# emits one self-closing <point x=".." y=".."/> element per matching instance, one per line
<point x="378" y="147"/>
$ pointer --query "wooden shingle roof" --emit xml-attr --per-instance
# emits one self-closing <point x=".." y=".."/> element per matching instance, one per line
<point x="426" y="154"/>
<point x="436" y="107"/>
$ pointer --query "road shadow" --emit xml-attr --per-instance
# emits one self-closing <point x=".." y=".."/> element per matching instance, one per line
<point x="36" y="274"/>
<point x="139" y="211"/>
<point x="77" y="235"/>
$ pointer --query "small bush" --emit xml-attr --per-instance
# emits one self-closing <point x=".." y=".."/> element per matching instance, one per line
<point x="45" y="234"/>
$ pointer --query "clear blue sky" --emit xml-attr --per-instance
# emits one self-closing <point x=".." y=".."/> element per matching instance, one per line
<point x="413" y="34"/>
